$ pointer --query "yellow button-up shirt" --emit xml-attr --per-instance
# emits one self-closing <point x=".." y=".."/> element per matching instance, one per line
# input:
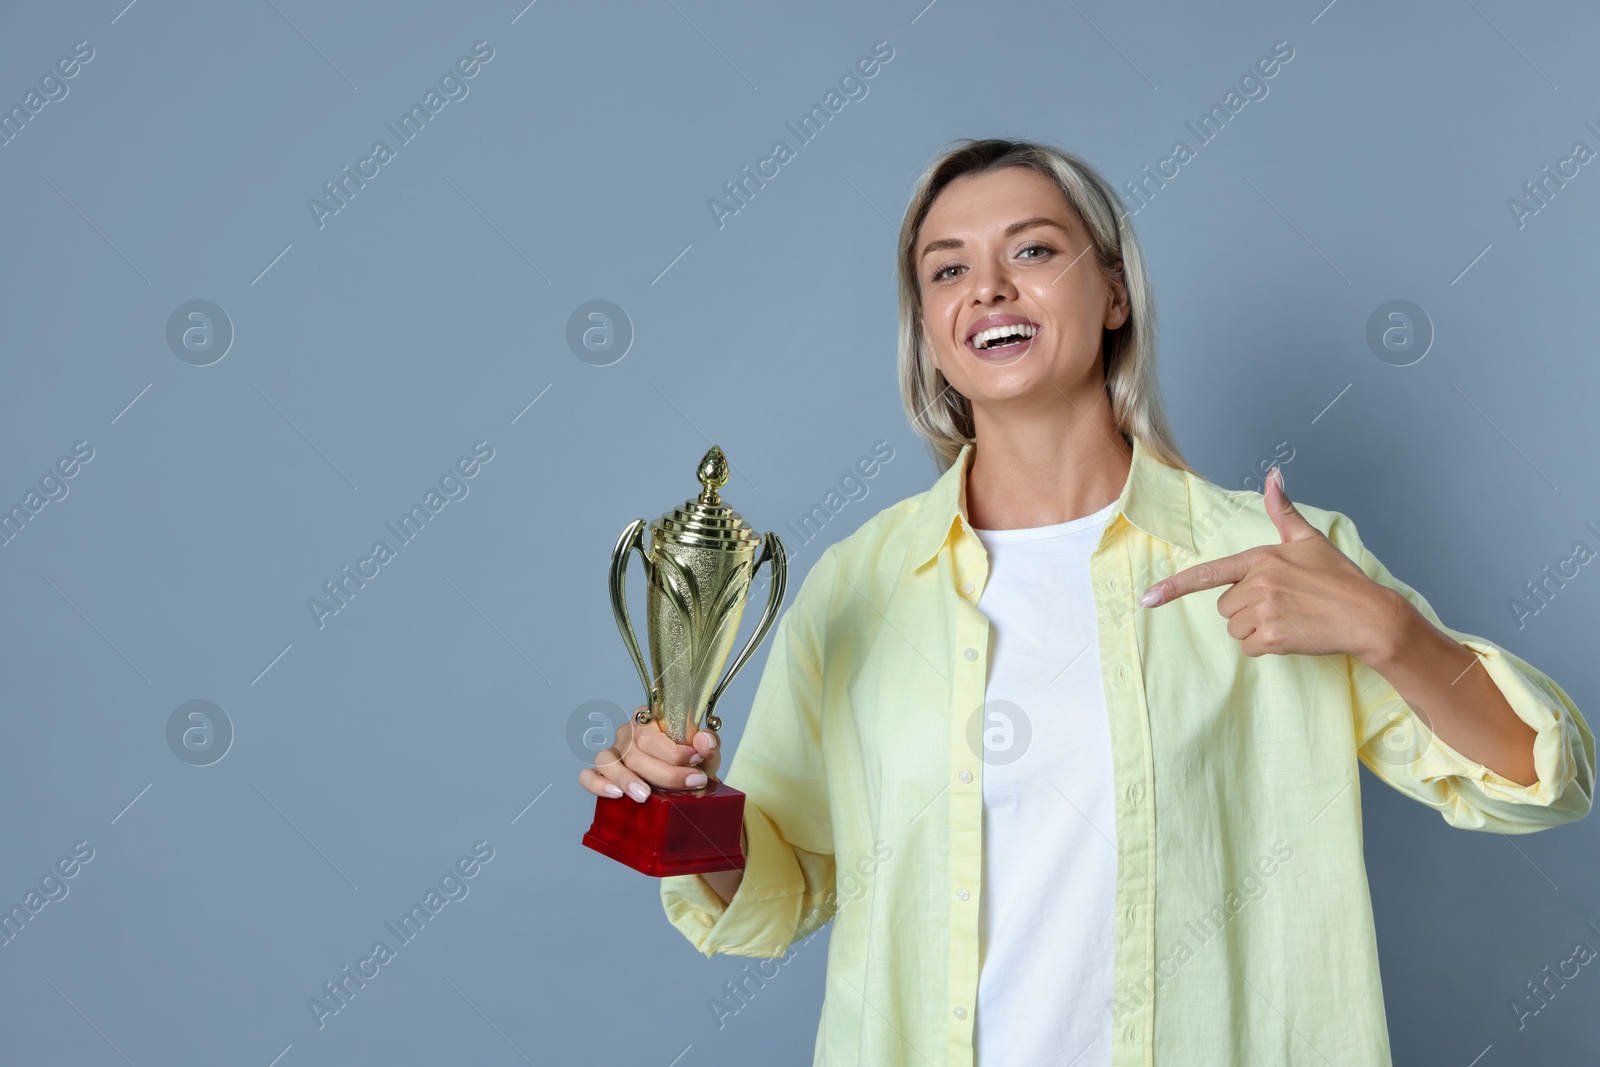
<point x="1243" y="924"/>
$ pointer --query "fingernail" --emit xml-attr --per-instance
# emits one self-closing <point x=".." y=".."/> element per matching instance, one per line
<point x="638" y="792"/>
<point x="1149" y="596"/>
<point x="1279" y="472"/>
<point x="696" y="758"/>
<point x="711" y="740"/>
<point x="695" y="780"/>
<point x="611" y="790"/>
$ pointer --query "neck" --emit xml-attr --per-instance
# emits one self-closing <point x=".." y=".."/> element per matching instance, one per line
<point x="1047" y="467"/>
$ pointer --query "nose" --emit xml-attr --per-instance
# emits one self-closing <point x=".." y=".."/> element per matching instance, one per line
<point x="991" y="283"/>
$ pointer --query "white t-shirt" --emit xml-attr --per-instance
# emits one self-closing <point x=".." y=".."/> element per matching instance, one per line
<point x="1049" y="827"/>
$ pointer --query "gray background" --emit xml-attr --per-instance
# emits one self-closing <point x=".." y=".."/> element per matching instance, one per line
<point x="432" y="311"/>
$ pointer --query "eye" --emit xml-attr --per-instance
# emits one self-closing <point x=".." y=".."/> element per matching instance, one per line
<point x="1037" y="246"/>
<point x="939" y="275"/>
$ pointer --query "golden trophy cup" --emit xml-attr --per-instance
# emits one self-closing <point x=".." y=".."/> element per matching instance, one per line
<point x="702" y="560"/>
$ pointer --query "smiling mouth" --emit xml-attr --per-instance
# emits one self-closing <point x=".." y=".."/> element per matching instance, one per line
<point x="1004" y="340"/>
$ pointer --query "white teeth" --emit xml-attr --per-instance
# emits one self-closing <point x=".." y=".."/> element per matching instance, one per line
<point x="982" y="338"/>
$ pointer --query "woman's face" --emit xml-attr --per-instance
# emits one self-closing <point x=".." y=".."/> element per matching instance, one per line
<point x="1001" y="249"/>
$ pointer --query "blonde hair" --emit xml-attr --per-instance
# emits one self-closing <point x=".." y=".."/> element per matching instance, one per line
<point x="942" y="416"/>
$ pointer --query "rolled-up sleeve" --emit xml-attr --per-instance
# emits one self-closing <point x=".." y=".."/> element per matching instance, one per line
<point x="788" y="882"/>
<point x="1396" y="744"/>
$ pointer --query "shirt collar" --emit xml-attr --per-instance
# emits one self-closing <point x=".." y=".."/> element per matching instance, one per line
<point x="1155" y="498"/>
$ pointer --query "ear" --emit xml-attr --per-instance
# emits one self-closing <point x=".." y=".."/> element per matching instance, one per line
<point x="927" y="346"/>
<point x="1117" y="306"/>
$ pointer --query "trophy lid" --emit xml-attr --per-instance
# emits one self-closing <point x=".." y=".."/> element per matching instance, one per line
<point x="705" y="521"/>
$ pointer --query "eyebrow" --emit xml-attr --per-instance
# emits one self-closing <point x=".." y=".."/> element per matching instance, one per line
<point x="1014" y="228"/>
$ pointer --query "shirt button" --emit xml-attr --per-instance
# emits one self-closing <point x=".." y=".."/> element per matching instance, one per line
<point x="1129" y="1034"/>
<point x="966" y="587"/>
<point x="1133" y="910"/>
<point x="961" y="894"/>
<point x="961" y="1013"/>
<point x="1133" y="793"/>
<point x="965" y="776"/>
<point x="971" y="653"/>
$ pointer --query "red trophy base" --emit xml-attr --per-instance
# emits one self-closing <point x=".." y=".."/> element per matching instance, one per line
<point x="690" y="831"/>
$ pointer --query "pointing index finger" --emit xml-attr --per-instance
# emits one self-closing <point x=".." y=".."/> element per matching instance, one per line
<point x="1209" y="575"/>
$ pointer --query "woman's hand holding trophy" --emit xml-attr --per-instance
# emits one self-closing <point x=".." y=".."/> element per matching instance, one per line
<point x="642" y="756"/>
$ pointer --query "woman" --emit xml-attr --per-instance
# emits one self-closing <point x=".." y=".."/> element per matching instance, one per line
<point x="1035" y="806"/>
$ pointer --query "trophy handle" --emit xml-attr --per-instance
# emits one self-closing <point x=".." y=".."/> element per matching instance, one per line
<point x="632" y="538"/>
<point x="772" y="550"/>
